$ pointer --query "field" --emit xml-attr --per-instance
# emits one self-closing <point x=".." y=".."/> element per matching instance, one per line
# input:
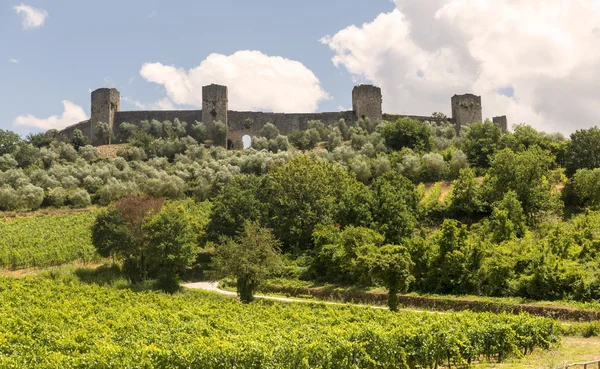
<point x="47" y="240"/>
<point x="64" y="323"/>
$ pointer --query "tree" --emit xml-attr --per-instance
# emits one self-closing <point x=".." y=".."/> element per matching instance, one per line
<point x="465" y="198"/>
<point x="391" y="264"/>
<point x="8" y="142"/>
<point x="527" y="174"/>
<point x="269" y="131"/>
<point x="200" y="132"/>
<point x="236" y="203"/>
<point x="299" y="139"/>
<point x="409" y="133"/>
<point x="449" y="272"/>
<point x="304" y="192"/>
<point x="586" y="187"/>
<point x="118" y="232"/>
<point x="171" y="245"/>
<point x="583" y="151"/>
<point x="104" y="132"/>
<point x="481" y="142"/>
<point x="507" y="220"/>
<point x="79" y="139"/>
<point x="339" y="253"/>
<point x="250" y="257"/>
<point x="219" y="133"/>
<point x="395" y="206"/>
<point x="40" y="139"/>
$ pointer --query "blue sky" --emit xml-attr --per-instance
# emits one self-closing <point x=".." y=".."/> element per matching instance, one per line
<point x="85" y="45"/>
<point x="536" y="61"/>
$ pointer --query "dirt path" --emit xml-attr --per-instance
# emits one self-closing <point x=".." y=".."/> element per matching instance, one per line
<point x="213" y="287"/>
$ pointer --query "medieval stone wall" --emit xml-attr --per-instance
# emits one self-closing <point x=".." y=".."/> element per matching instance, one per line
<point x="366" y="103"/>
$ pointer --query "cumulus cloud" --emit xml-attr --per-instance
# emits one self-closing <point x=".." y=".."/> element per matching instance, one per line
<point x="13" y="60"/>
<point x="32" y="17"/>
<point x="72" y="114"/>
<point x="255" y="81"/>
<point x="162" y="104"/>
<point x="543" y="51"/>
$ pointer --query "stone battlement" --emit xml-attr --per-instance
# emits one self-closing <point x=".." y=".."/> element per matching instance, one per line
<point x="366" y="103"/>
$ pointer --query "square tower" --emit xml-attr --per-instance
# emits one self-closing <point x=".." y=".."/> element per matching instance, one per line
<point x="366" y="102"/>
<point x="501" y="122"/>
<point x="105" y="103"/>
<point x="214" y="107"/>
<point x="466" y="109"/>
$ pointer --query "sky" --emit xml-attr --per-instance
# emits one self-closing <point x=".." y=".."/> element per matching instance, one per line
<point x="536" y="61"/>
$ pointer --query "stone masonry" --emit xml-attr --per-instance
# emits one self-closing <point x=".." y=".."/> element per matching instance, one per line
<point x="366" y="103"/>
<point x="466" y="109"/>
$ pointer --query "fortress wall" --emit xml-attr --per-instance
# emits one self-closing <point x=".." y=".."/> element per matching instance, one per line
<point x="136" y="117"/>
<point x="250" y="123"/>
<point x="83" y="126"/>
<point x="395" y="117"/>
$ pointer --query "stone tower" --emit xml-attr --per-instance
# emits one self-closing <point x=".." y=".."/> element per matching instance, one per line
<point x="105" y="103"/>
<point x="501" y="122"/>
<point x="366" y="102"/>
<point x="466" y="109"/>
<point x="214" y="107"/>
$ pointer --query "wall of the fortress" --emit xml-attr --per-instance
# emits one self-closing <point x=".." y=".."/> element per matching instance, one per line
<point x="136" y="117"/>
<point x="366" y="102"/>
<point x="250" y="123"/>
<point x="395" y="117"/>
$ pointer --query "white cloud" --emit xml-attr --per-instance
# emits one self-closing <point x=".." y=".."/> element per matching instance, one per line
<point x="162" y="104"/>
<point x="32" y="17"/>
<point x="13" y="60"/>
<point x="422" y="53"/>
<point x="255" y="82"/>
<point x="72" y="114"/>
<point x="153" y="14"/>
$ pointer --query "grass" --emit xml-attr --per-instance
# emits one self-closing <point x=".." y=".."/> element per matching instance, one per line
<point x="571" y="350"/>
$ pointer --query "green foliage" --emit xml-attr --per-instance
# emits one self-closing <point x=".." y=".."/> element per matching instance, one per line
<point x="42" y="139"/>
<point x="481" y="142"/>
<point x="465" y="199"/>
<point x="305" y="192"/>
<point x="269" y="131"/>
<point x="395" y="207"/>
<point x="118" y="232"/>
<point x="527" y="174"/>
<point x="219" y="133"/>
<point x="583" y="152"/>
<point x="409" y="133"/>
<point x="340" y="254"/>
<point x="318" y="127"/>
<point x="250" y="257"/>
<point x="586" y="187"/>
<point x="104" y="133"/>
<point x="8" y="142"/>
<point x="155" y="330"/>
<point x="450" y="267"/>
<point x="44" y="241"/>
<point x="391" y="264"/>
<point x="171" y="245"/>
<point x="236" y="203"/>
<point x="200" y="132"/>
<point x="79" y="139"/>
<point x="507" y="220"/>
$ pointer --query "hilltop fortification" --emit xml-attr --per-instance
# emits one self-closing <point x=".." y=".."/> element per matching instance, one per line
<point x="366" y="103"/>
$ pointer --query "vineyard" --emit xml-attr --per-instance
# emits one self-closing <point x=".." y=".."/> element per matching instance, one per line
<point x="66" y="324"/>
<point x="44" y="241"/>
